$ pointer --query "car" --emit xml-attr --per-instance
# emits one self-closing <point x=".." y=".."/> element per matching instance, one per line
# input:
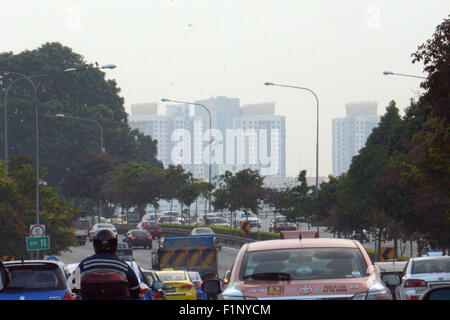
<point x="207" y="216"/>
<point x="138" y="237"/>
<point x="279" y="223"/>
<point x="391" y="273"/>
<point x="421" y="274"/>
<point x="151" y="217"/>
<point x="255" y="222"/>
<point x="151" y="228"/>
<point x="217" y="221"/>
<point x="177" y="285"/>
<point x="434" y="253"/>
<point x="202" y="230"/>
<point x="196" y="279"/>
<point x="147" y="290"/>
<point x="174" y="214"/>
<point x="437" y="293"/>
<point x="37" y="280"/>
<point x="124" y="252"/>
<point x="100" y="226"/>
<point x="169" y="220"/>
<point x="303" y="269"/>
<point x="152" y="277"/>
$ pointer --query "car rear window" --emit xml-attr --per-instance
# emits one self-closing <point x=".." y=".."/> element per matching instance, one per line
<point x="303" y="264"/>
<point x="431" y="266"/>
<point x="194" y="276"/>
<point x="139" y="233"/>
<point x="43" y="277"/>
<point x="172" y="276"/>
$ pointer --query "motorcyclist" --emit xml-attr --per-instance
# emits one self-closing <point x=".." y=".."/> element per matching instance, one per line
<point x="105" y="246"/>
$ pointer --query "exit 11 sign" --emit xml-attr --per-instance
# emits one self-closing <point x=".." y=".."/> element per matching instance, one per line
<point x="38" y="243"/>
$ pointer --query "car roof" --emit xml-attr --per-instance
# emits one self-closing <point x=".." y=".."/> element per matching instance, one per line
<point x="304" y="243"/>
<point x="430" y="258"/>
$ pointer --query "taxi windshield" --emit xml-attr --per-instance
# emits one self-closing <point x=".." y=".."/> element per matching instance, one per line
<point x="303" y="264"/>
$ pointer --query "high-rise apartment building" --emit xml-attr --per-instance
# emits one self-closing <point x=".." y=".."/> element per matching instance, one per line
<point x="263" y="146"/>
<point x="350" y="133"/>
<point x="248" y="137"/>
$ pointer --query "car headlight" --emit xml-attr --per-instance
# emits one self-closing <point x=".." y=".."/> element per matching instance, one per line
<point x="376" y="292"/>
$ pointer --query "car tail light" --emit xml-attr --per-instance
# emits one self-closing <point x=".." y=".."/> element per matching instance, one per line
<point x="149" y="237"/>
<point x="69" y="296"/>
<point x="132" y="238"/>
<point x="199" y="285"/>
<point x="158" y="295"/>
<point x="142" y="292"/>
<point x="415" y="283"/>
<point x="186" y="286"/>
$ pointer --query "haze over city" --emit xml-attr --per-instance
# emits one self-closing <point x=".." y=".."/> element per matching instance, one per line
<point x="194" y="50"/>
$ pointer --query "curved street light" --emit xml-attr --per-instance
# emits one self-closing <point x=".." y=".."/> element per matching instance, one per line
<point x="317" y="125"/>
<point x="102" y="149"/>
<point x="210" y="133"/>
<point x="390" y="73"/>
<point x="35" y="88"/>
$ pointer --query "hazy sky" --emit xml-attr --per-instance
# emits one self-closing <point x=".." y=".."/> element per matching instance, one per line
<point x="197" y="49"/>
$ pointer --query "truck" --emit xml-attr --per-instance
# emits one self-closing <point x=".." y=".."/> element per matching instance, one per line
<point x="82" y="229"/>
<point x="191" y="253"/>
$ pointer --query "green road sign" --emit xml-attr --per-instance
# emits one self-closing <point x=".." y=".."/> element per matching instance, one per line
<point x="38" y="243"/>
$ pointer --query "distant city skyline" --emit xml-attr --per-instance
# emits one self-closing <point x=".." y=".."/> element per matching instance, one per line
<point x="191" y="50"/>
<point x="251" y="136"/>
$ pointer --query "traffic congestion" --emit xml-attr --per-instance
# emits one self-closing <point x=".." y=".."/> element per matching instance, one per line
<point x="210" y="158"/>
<point x="151" y="263"/>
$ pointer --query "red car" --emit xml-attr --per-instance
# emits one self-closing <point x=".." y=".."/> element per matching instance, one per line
<point x="151" y="228"/>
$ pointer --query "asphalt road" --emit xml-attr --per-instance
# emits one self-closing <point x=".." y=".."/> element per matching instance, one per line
<point x="143" y="256"/>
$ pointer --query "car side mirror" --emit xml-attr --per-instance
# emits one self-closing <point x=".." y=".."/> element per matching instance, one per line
<point x="391" y="279"/>
<point x="4" y="277"/>
<point x="211" y="287"/>
<point x="157" y="285"/>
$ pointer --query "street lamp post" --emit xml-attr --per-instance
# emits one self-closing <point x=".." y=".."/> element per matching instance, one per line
<point x="102" y="149"/>
<point x="23" y="77"/>
<point x="317" y="125"/>
<point x="390" y="73"/>
<point x="210" y="133"/>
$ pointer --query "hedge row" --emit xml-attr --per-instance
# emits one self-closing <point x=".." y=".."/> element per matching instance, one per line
<point x="256" y="235"/>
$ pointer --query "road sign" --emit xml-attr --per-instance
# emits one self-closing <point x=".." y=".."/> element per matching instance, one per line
<point x="52" y="258"/>
<point x="37" y="230"/>
<point x="387" y="254"/>
<point x="245" y="227"/>
<point x="38" y="243"/>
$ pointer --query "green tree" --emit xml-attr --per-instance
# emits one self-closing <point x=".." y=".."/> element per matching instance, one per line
<point x="242" y="191"/>
<point x="63" y="142"/>
<point x="17" y="210"/>
<point x="135" y="185"/>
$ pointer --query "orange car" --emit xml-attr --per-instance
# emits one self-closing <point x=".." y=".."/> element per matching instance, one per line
<point x="316" y="268"/>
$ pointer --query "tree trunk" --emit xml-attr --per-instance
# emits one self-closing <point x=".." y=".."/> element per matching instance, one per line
<point x="171" y="201"/>
<point x="379" y="246"/>
<point x="196" y="212"/>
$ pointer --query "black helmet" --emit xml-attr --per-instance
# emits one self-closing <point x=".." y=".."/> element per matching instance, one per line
<point x="105" y="241"/>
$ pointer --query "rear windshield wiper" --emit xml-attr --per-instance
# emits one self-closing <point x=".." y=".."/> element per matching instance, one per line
<point x="282" y="276"/>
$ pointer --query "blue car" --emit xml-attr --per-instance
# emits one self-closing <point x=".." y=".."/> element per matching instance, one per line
<point x="37" y="280"/>
<point x="196" y="279"/>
